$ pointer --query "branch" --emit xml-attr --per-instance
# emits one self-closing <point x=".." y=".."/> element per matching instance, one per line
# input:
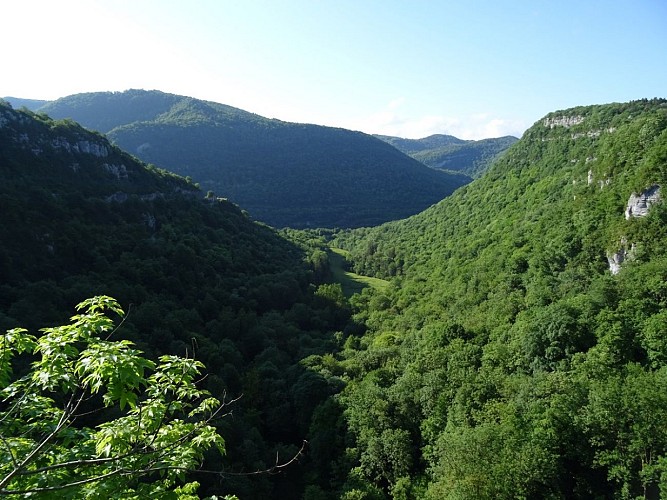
<point x="62" y="486"/>
<point x="26" y="391"/>
<point x="271" y="470"/>
<point x="63" y="422"/>
<point x="140" y="449"/>
<point x="122" y="320"/>
<point x="9" y="450"/>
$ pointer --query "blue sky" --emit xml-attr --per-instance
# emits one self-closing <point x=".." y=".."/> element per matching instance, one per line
<point x="471" y="68"/>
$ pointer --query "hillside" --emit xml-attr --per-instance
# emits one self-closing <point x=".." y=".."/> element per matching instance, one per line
<point x="520" y="351"/>
<point x="80" y="217"/>
<point x="284" y="174"/>
<point x="31" y="104"/>
<point x="448" y="153"/>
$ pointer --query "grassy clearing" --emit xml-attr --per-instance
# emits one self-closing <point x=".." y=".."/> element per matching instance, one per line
<point x="350" y="282"/>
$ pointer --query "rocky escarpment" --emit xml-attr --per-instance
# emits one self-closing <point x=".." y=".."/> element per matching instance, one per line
<point x="563" y="121"/>
<point x="69" y="158"/>
<point x="25" y="133"/>
<point x="81" y="146"/>
<point x="569" y="121"/>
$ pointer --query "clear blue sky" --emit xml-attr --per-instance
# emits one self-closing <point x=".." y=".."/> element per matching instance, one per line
<point x="409" y="68"/>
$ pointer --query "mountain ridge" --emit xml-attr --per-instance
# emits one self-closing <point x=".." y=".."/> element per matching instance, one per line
<point x="450" y="154"/>
<point x="285" y="174"/>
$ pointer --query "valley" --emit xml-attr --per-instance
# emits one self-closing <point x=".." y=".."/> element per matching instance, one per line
<point x="481" y="338"/>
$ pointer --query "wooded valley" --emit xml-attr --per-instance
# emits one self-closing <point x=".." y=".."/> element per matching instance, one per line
<point x="512" y="342"/>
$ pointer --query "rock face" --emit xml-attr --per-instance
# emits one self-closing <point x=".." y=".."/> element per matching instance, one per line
<point x="639" y="204"/>
<point x="616" y="259"/>
<point x="118" y="171"/>
<point x="81" y="146"/>
<point x="563" y="121"/>
<point x="38" y="141"/>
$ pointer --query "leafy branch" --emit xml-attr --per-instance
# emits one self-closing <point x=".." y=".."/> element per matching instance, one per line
<point x="165" y="426"/>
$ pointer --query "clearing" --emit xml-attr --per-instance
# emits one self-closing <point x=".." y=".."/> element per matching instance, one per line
<point x="350" y="282"/>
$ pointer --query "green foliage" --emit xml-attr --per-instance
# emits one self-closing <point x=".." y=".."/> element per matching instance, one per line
<point x="505" y="355"/>
<point x="163" y="429"/>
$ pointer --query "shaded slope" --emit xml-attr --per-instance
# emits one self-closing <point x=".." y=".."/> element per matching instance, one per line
<point x="198" y="277"/>
<point x="285" y="174"/>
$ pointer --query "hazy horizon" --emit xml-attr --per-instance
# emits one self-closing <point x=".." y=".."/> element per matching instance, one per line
<point x="479" y="70"/>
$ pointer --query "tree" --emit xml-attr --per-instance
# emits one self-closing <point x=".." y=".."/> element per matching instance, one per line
<point x="56" y="436"/>
<point x="625" y="423"/>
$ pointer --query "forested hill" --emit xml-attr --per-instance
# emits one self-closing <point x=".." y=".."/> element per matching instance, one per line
<point x="197" y="277"/>
<point x="31" y="104"/>
<point x="448" y="153"/>
<point x="522" y="351"/>
<point x="411" y="146"/>
<point x="285" y="174"/>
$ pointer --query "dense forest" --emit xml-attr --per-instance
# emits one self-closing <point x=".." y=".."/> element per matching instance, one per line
<point x="516" y="347"/>
<point x="284" y="174"/>
<point x="195" y="275"/>
<point x="448" y="153"/>
<point x="513" y="357"/>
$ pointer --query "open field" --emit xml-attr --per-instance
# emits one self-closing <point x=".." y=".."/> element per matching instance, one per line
<point x="352" y="283"/>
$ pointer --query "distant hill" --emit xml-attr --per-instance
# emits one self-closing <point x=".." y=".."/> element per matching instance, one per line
<point x="411" y="146"/>
<point x="285" y="174"/>
<point x="31" y="104"/>
<point x="448" y="153"/>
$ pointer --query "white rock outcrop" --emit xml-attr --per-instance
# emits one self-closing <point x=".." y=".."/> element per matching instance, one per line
<point x="118" y="197"/>
<point x="88" y="147"/>
<point x="563" y="121"/>
<point x="639" y="204"/>
<point x="118" y="171"/>
<point x="621" y="255"/>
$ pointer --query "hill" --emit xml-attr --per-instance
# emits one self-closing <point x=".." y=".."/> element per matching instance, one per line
<point x="80" y="217"/>
<point x="448" y="153"/>
<point x="285" y="174"/>
<point x="411" y="146"/>
<point x="31" y="104"/>
<point x="520" y="349"/>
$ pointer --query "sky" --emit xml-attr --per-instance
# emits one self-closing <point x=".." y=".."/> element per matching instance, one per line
<point x="473" y="69"/>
